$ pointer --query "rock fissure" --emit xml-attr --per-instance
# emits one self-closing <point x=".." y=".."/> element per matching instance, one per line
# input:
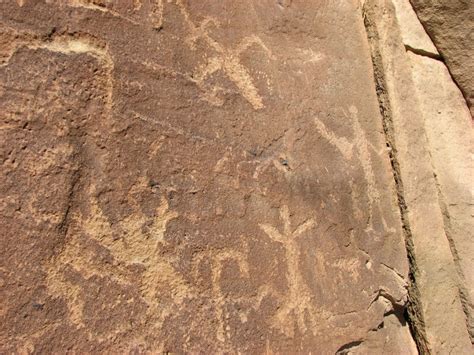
<point x="438" y="57"/>
<point x="424" y="53"/>
<point x="415" y="316"/>
<point x="463" y="290"/>
<point x="347" y="348"/>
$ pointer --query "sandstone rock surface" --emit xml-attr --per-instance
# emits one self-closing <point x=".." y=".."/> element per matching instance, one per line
<point x="450" y="140"/>
<point x="245" y="176"/>
<point x="194" y="176"/>
<point x="450" y="25"/>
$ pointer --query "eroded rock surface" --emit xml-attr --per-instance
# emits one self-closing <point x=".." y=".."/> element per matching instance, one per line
<point x="195" y="176"/>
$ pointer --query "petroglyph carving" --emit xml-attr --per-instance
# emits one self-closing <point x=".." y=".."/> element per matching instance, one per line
<point x="225" y="59"/>
<point x="97" y="6"/>
<point x="361" y="146"/>
<point x="157" y="14"/>
<point x="310" y="56"/>
<point x="216" y="259"/>
<point x="298" y="303"/>
<point x="139" y="244"/>
<point x="69" y="45"/>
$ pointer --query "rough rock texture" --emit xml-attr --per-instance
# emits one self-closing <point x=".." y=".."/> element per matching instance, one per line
<point x="450" y="139"/>
<point x="412" y="33"/>
<point x="195" y="176"/>
<point x="235" y="177"/>
<point x="450" y="25"/>
<point x="430" y="132"/>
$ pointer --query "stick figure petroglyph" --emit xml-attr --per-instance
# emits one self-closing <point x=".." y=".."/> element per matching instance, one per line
<point x="298" y="301"/>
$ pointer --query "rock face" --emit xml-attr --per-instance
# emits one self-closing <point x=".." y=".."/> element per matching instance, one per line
<point x="194" y="176"/>
<point x="450" y="25"/>
<point x="219" y="176"/>
<point x="449" y="133"/>
<point x="448" y="128"/>
<point x="429" y="129"/>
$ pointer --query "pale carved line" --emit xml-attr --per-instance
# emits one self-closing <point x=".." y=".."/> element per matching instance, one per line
<point x="157" y="14"/>
<point x="216" y="258"/>
<point x="91" y="5"/>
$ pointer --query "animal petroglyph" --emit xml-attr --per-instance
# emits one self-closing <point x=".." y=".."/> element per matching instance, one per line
<point x="71" y="45"/>
<point x="361" y="146"/>
<point x="226" y="60"/>
<point x="298" y="301"/>
<point x="139" y="244"/>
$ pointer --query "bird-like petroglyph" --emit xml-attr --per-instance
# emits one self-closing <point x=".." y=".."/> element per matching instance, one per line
<point x="226" y="60"/>
<point x="297" y="304"/>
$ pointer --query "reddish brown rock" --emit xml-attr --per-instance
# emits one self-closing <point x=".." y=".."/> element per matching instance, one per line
<point x="195" y="176"/>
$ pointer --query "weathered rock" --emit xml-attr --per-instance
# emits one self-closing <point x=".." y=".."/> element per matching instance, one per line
<point x="412" y="32"/>
<point x="224" y="176"/>
<point x="450" y="139"/>
<point x="194" y="176"/>
<point x="430" y="133"/>
<point x="450" y="25"/>
<point x="388" y="337"/>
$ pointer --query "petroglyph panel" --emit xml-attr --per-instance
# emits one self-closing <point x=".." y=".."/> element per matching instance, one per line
<point x="192" y="176"/>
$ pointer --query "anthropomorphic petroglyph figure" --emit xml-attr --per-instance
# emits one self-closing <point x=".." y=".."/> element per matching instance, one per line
<point x="216" y="259"/>
<point x="297" y="302"/>
<point x="359" y="147"/>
